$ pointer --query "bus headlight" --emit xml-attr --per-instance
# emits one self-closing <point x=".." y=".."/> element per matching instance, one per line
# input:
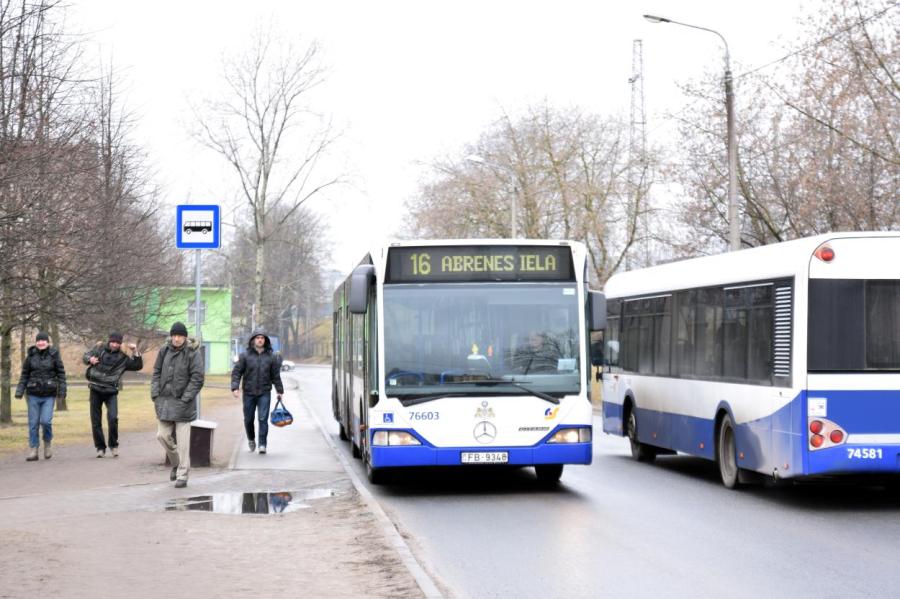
<point x="571" y="435"/>
<point x="394" y="438"/>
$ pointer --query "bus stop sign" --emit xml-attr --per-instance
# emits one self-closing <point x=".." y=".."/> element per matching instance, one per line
<point x="197" y="227"/>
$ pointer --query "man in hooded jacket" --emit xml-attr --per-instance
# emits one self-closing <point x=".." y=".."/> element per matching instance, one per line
<point x="177" y="379"/>
<point x="260" y="369"/>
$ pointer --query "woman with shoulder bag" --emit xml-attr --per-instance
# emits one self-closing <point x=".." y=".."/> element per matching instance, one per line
<point x="43" y="379"/>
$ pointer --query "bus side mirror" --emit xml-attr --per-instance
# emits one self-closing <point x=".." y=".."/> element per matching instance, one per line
<point x="362" y="278"/>
<point x="598" y="310"/>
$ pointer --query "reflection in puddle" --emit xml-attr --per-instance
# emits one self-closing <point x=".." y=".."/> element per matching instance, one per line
<point x="281" y="502"/>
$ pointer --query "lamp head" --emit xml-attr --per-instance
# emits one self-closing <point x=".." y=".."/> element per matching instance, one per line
<point x="656" y="19"/>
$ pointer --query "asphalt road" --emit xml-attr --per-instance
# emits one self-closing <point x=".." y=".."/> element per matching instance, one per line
<point x="621" y="528"/>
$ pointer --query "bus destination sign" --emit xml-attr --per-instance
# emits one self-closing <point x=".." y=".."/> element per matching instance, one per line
<point x="479" y="263"/>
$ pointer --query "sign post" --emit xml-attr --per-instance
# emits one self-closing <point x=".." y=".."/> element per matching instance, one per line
<point x="199" y="228"/>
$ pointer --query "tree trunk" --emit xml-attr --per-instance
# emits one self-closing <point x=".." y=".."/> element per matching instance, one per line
<point x="23" y="342"/>
<point x="5" y="375"/>
<point x="258" y="280"/>
<point x="61" y="403"/>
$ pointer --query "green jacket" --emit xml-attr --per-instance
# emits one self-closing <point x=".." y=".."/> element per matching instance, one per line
<point x="177" y="379"/>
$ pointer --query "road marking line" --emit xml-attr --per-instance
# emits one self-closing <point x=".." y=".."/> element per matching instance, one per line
<point x="425" y="582"/>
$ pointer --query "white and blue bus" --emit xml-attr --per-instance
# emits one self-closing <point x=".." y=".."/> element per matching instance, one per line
<point x="782" y="360"/>
<point x="466" y="353"/>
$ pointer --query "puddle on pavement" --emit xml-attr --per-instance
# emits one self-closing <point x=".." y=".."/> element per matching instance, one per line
<point x="282" y="502"/>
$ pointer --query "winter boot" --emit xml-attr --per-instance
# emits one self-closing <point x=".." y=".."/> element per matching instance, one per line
<point x="32" y="455"/>
<point x="48" y="450"/>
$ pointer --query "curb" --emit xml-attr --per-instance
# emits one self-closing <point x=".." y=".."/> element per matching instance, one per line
<point x="425" y="582"/>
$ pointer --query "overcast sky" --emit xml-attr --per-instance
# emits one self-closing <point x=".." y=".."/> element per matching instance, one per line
<point x="410" y="81"/>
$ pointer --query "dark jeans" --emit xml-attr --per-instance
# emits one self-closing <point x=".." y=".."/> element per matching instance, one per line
<point x="111" y="400"/>
<point x="260" y="405"/>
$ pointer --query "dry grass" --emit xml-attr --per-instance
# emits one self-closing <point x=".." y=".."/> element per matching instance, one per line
<point x="73" y="426"/>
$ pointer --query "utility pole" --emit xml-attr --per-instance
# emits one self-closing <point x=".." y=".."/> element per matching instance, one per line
<point x="734" y="222"/>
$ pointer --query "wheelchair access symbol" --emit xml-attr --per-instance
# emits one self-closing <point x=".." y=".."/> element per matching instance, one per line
<point x="198" y="227"/>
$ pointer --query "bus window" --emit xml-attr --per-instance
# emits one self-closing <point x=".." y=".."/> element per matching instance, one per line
<point x="707" y="332"/>
<point x="883" y="324"/>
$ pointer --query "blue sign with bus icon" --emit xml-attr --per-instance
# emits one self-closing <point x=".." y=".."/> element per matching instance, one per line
<point x="198" y="227"/>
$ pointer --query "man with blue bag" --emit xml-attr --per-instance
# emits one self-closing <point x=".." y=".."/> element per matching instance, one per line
<point x="260" y="369"/>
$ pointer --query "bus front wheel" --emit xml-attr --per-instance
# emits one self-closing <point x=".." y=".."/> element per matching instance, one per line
<point x="726" y="453"/>
<point x="639" y="451"/>
<point x="548" y="474"/>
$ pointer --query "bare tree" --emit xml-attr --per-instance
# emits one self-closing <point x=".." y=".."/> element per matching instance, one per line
<point x="817" y="138"/>
<point x="270" y="137"/>
<point x="80" y="240"/>
<point x="293" y="274"/>
<point x="569" y="171"/>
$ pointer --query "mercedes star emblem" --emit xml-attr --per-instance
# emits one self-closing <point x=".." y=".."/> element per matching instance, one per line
<point x="485" y="432"/>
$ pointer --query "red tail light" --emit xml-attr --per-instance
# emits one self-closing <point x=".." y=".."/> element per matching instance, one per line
<point x="824" y="253"/>
<point x="817" y="440"/>
<point x="836" y="436"/>
<point x="815" y="427"/>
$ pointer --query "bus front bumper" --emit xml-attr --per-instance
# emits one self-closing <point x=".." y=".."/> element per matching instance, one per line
<point x="424" y="455"/>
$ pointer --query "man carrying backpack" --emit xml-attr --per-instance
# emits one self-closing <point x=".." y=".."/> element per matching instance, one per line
<point x="107" y="363"/>
<point x="260" y="369"/>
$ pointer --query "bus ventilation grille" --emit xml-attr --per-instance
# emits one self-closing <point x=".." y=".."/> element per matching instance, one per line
<point x="782" y="354"/>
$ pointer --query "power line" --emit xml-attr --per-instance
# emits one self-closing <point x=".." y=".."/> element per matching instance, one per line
<point x="819" y="42"/>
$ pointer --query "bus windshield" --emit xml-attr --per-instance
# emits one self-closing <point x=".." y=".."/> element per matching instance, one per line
<point x="447" y="337"/>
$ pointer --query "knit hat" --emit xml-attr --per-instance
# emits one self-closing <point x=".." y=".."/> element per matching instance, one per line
<point x="42" y="336"/>
<point x="115" y="337"/>
<point x="178" y="329"/>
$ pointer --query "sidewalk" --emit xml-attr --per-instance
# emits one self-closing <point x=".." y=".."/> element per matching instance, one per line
<point x="78" y="526"/>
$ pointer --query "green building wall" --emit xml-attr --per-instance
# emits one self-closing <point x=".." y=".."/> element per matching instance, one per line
<point x="175" y="305"/>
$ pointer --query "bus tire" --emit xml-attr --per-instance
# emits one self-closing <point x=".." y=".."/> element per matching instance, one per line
<point x="548" y="474"/>
<point x="639" y="451"/>
<point x="726" y="453"/>
<point x="354" y="450"/>
<point x="343" y="432"/>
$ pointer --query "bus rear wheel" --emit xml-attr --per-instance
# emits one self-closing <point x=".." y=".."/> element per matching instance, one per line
<point x="726" y="453"/>
<point x="342" y="433"/>
<point x="639" y="451"/>
<point x="548" y="474"/>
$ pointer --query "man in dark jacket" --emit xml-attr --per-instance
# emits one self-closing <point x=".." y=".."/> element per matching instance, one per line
<point x="107" y="365"/>
<point x="177" y="379"/>
<point x="260" y="368"/>
<point x="43" y="379"/>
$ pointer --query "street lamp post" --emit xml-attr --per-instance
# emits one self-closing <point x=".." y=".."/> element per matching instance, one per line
<point x="513" y="218"/>
<point x="734" y="224"/>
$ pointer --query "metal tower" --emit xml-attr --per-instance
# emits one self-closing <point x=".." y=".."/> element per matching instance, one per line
<point x="639" y="255"/>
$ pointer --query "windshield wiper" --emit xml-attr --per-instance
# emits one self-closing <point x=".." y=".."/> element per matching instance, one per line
<point x="517" y="384"/>
<point x="413" y="401"/>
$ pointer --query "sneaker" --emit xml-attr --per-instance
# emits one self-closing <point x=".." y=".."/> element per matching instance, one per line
<point x="251" y="445"/>
<point x="115" y="451"/>
<point x="262" y="449"/>
<point x="174" y="474"/>
<point x="48" y="450"/>
<point x="101" y="453"/>
<point x="32" y="455"/>
<point x="180" y="484"/>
